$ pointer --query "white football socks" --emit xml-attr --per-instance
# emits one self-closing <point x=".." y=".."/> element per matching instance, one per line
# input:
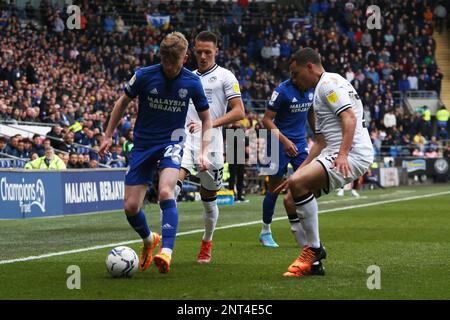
<point x="299" y="234"/>
<point x="307" y="212"/>
<point x="210" y="217"/>
<point x="149" y="240"/>
<point x="167" y="251"/>
<point x="266" y="228"/>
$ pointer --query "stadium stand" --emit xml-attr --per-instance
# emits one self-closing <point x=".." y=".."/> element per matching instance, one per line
<point x="72" y="78"/>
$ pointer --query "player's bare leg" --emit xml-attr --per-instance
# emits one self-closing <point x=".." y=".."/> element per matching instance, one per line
<point x="134" y="197"/>
<point x="167" y="180"/>
<point x="302" y="184"/>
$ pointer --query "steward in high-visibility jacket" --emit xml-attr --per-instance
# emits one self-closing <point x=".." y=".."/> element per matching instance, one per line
<point x="49" y="162"/>
<point x="442" y="117"/>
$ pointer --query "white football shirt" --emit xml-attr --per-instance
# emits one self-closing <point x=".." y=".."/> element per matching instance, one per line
<point x="333" y="95"/>
<point x="220" y="86"/>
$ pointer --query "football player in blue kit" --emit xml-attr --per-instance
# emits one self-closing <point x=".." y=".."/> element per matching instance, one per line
<point x="164" y="91"/>
<point x="286" y="115"/>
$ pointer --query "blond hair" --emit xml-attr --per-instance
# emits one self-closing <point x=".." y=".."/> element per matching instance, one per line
<point x="174" y="46"/>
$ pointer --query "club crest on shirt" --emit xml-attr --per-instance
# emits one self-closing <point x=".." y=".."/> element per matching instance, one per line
<point x="212" y="79"/>
<point x="311" y="96"/>
<point x="182" y="93"/>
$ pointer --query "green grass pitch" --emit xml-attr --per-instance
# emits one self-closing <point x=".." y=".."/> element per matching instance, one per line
<point x="408" y="239"/>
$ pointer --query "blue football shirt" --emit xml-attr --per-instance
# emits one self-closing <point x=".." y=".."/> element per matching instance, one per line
<point x="292" y="106"/>
<point x="163" y="104"/>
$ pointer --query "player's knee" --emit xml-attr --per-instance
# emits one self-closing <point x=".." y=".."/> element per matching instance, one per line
<point x="288" y="201"/>
<point x="298" y="184"/>
<point x="131" y="208"/>
<point x="293" y="184"/>
<point x="166" y="193"/>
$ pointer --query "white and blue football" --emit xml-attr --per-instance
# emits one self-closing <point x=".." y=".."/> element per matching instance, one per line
<point x="122" y="262"/>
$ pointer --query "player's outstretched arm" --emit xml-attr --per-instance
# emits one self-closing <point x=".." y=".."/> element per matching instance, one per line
<point x="289" y="146"/>
<point x="236" y="113"/>
<point x="116" y="115"/>
<point x="348" y="122"/>
<point x="205" y="117"/>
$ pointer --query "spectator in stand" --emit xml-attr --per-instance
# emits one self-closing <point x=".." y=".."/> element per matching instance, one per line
<point x="430" y="153"/>
<point x="440" y="13"/>
<point x="390" y="119"/>
<point x="64" y="157"/>
<point x="447" y="151"/>
<point x="46" y="143"/>
<point x="128" y="145"/>
<point x="433" y="144"/>
<point x="69" y="145"/>
<point x="413" y="81"/>
<point x="27" y="148"/>
<point x="442" y="133"/>
<point x="117" y="160"/>
<point x="12" y="148"/>
<point x="417" y="153"/>
<point x="428" y="15"/>
<point x="37" y="146"/>
<point x="93" y="164"/>
<point x="403" y="84"/>
<point x="426" y="115"/>
<point x="442" y="116"/>
<point x="109" y="24"/>
<point x="56" y="136"/>
<point x="73" y="161"/>
<point x="3" y="145"/>
<point x="80" y="161"/>
<point x="50" y="161"/>
<point x="419" y="141"/>
<point x="120" y="24"/>
<point x="85" y="160"/>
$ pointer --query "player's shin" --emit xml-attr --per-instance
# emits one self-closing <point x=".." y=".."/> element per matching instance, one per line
<point x="210" y="216"/>
<point x="139" y="223"/>
<point x="169" y="224"/>
<point x="269" y="203"/>
<point x="296" y="227"/>
<point x="307" y="212"/>
<point x="297" y="230"/>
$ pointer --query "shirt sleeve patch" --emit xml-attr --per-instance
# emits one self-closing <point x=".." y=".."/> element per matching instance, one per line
<point x="274" y="96"/>
<point x="332" y="97"/>
<point x="236" y="88"/>
<point x="132" y="80"/>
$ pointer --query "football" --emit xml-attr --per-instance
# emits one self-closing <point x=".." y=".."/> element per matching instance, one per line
<point x="122" y="262"/>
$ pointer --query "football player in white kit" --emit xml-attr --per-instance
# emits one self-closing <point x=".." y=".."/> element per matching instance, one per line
<point x="221" y="88"/>
<point x="342" y="153"/>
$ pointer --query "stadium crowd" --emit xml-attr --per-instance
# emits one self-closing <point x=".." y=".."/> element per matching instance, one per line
<point x="72" y="78"/>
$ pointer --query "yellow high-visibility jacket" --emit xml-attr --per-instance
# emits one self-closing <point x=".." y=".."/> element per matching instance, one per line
<point x="55" y="164"/>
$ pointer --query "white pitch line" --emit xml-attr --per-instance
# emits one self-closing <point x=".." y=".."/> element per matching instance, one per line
<point x="243" y="224"/>
<point x="343" y="200"/>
